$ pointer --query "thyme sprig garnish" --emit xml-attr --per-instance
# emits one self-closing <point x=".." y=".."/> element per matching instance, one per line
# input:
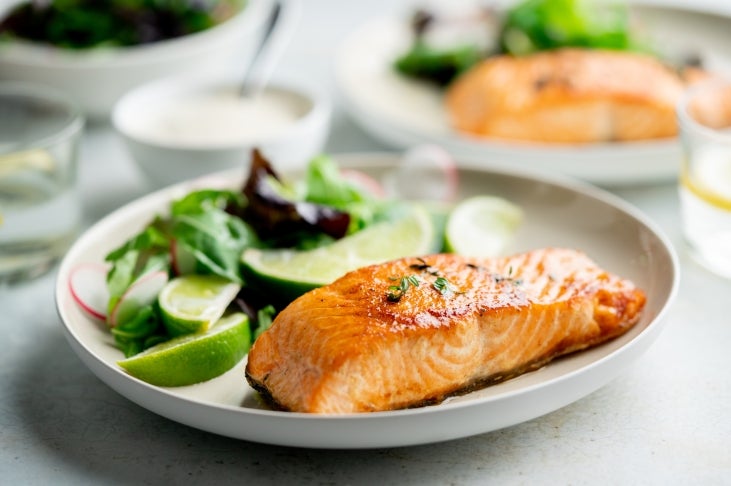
<point x="442" y="285"/>
<point x="395" y="292"/>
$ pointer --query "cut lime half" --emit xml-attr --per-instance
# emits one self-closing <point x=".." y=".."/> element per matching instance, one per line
<point x="191" y="303"/>
<point x="482" y="226"/>
<point x="193" y="358"/>
<point x="290" y="273"/>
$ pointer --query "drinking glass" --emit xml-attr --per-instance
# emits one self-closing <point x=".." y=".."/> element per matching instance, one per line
<point x="40" y="209"/>
<point x="704" y="117"/>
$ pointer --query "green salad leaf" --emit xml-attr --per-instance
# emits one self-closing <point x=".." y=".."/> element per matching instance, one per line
<point x="204" y="224"/>
<point x="264" y="319"/>
<point x="84" y="24"/>
<point x="205" y="199"/>
<point x="325" y="184"/>
<point x="147" y="252"/>
<point x="438" y="65"/>
<point x="141" y="332"/>
<point x="323" y="206"/>
<point x="537" y="25"/>
<point x="216" y="240"/>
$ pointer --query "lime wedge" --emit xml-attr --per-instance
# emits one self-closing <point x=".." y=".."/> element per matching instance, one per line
<point x="191" y="303"/>
<point x="290" y="273"/>
<point x="482" y="226"/>
<point x="193" y="358"/>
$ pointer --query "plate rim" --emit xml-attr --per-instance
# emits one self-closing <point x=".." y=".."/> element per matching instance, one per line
<point x="148" y="395"/>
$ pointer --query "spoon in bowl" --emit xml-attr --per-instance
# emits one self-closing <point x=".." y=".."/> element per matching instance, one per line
<point x="277" y="35"/>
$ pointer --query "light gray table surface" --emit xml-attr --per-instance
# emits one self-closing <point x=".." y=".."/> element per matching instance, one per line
<point x="665" y="420"/>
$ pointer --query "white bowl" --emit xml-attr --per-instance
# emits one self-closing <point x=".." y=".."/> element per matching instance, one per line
<point x="97" y="78"/>
<point x="165" y="161"/>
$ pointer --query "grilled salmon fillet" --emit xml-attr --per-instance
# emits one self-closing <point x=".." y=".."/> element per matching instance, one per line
<point x="360" y="345"/>
<point x="567" y="96"/>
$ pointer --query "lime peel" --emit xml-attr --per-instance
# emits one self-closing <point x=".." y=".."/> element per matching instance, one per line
<point x="193" y="358"/>
<point x="191" y="303"/>
<point x="482" y="226"/>
<point x="290" y="273"/>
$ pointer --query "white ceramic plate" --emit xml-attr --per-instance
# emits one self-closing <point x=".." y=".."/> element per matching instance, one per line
<point x="402" y="112"/>
<point x="558" y="213"/>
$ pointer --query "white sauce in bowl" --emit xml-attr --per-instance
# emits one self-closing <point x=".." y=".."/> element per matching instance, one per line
<point x="221" y="117"/>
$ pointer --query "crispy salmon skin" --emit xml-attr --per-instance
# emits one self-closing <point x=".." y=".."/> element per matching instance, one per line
<point x="368" y="343"/>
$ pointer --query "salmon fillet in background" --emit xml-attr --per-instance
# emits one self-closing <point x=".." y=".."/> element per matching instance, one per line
<point x="569" y="96"/>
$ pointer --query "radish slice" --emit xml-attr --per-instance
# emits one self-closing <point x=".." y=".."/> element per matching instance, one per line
<point x="88" y="287"/>
<point x="426" y="172"/>
<point x="364" y="181"/>
<point x="183" y="261"/>
<point x="141" y="293"/>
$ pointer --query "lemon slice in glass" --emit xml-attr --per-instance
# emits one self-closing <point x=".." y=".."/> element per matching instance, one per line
<point x="286" y="274"/>
<point x="482" y="226"/>
<point x="191" y="303"/>
<point x="709" y="177"/>
<point x="193" y="358"/>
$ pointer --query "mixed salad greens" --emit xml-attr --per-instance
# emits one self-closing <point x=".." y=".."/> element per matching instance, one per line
<point x="82" y="24"/>
<point x="527" y="27"/>
<point x="207" y="231"/>
<point x="186" y="296"/>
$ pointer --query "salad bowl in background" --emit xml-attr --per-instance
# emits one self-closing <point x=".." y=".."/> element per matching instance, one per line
<point x="97" y="77"/>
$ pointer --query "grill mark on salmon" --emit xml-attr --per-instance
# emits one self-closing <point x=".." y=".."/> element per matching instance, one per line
<point x="347" y="348"/>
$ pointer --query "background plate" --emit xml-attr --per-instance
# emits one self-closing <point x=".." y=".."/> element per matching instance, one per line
<point x="402" y="112"/>
<point x="558" y="213"/>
